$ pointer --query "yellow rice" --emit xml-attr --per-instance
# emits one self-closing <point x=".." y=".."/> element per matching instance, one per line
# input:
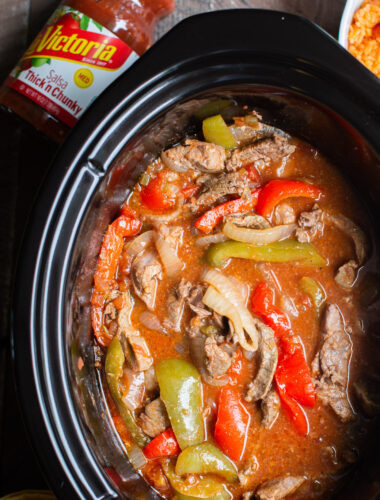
<point x="361" y="41"/>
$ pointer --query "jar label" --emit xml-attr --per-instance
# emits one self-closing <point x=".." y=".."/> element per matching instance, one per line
<point x="69" y="64"/>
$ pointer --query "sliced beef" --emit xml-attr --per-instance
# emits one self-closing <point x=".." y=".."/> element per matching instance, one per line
<point x="346" y="275"/>
<point x="358" y="236"/>
<point x="218" y="360"/>
<point x="261" y="153"/>
<point x="245" y="133"/>
<point x="196" y="155"/>
<point x="270" y="408"/>
<point x="151" y="382"/>
<point x="195" y="301"/>
<point x="284" y="214"/>
<point x="197" y="341"/>
<point x="214" y="188"/>
<point x="145" y="271"/>
<point x="154" y="420"/>
<point x="134" y="345"/>
<point x="259" y="388"/>
<point x="331" y="365"/>
<point x="249" y="220"/>
<point x="310" y="225"/>
<point x="176" y="303"/>
<point x="368" y="395"/>
<point x="280" y="487"/>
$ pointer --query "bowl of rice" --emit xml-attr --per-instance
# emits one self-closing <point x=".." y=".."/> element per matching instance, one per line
<point x="360" y="32"/>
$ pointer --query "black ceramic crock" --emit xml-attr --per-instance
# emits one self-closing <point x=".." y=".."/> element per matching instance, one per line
<point x="294" y="73"/>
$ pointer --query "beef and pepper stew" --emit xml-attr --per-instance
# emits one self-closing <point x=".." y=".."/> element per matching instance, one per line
<point x="234" y="301"/>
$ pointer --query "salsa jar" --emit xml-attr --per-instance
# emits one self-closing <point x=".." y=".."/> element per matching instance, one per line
<point x="84" y="46"/>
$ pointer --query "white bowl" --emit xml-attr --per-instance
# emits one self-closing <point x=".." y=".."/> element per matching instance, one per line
<point x="345" y="23"/>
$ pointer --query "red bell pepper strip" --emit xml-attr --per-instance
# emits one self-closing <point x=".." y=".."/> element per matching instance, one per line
<point x="279" y="189"/>
<point x="209" y="220"/>
<point x="293" y="373"/>
<point x="190" y="191"/>
<point x="127" y="224"/>
<point x="295" y="411"/>
<point x="153" y="195"/>
<point x="163" y="445"/>
<point x="232" y="423"/>
<point x="263" y="305"/>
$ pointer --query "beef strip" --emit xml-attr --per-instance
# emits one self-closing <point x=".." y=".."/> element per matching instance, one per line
<point x="259" y="388"/>
<point x="176" y="303"/>
<point x="270" y="408"/>
<point x="198" y="355"/>
<point x="249" y="220"/>
<point x="284" y="214"/>
<point x="134" y="345"/>
<point x="196" y="155"/>
<point x="214" y="188"/>
<point x="280" y="487"/>
<point x="346" y="274"/>
<point x="331" y="364"/>
<point x="310" y="225"/>
<point x="154" y="420"/>
<point x="245" y="134"/>
<point x="261" y="153"/>
<point x="218" y="360"/>
<point x="195" y="301"/>
<point x="146" y="269"/>
<point x="368" y="395"/>
<point x="358" y="236"/>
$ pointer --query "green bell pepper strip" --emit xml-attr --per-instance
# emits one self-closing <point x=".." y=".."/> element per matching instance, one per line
<point x="205" y="458"/>
<point x="315" y="292"/>
<point x="215" y="130"/>
<point x="114" y="370"/>
<point x="279" y="251"/>
<point x="204" y="487"/>
<point x="212" y="108"/>
<point x="181" y="391"/>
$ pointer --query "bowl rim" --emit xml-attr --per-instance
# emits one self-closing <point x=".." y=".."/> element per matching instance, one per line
<point x="348" y="13"/>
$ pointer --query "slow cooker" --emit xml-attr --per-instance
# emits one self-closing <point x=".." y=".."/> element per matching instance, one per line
<point x="297" y="76"/>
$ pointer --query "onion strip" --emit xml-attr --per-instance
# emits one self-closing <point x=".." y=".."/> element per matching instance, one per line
<point x="258" y="236"/>
<point x="139" y="243"/>
<point x="172" y="263"/>
<point x="204" y="241"/>
<point x="228" y="290"/>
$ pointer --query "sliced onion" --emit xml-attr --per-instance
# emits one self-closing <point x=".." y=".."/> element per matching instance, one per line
<point x="215" y="301"/>
<point x="204" y="241"/>
<point x="172" y="263"/>
<point x="134" y="396"/>
<point x="139" y="243"/>
<point x="258" y="236"/>
<point x="151" y="321"/>
<point x="228" y="290"/>
<point x="244" y="289"/>
<point x="178" y="212"/>
<point x="137" y="457"/>
<point x="173" y="165"/>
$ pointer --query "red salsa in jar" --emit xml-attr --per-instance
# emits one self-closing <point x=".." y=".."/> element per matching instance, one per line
<point x="83" y="48"/>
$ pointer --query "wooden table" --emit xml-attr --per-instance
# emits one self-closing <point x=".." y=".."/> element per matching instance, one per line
<point x="25" y="159"/>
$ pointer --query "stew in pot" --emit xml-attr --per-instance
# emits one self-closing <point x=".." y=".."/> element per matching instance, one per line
<point x="235" y="300"/>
